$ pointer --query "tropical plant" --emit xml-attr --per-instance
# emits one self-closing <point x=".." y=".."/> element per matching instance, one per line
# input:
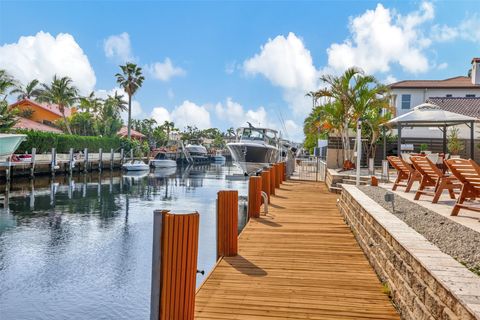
<point x="8" y="118"/>
<point x="62" y="93"/>
<point x="26" y="113"/>
<point x="131" y="79"/>
<point x="90" y="103"/>
<point x="231" y="132"/>
<point x="6" y="83"/>
<point x="454" y="144"/>
<point x="168" y="126"/>
<point x="31" y="90"/>
<point x="108" y="117"/>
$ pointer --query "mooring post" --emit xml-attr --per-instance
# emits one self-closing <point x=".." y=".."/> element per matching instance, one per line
<point x="53" y="161"/>
<point x="85" y="162"/>
<point x="272" y="180"/>
<point x="254" y="196"/>
<point x="112" y="155"/>
<point x="71" y="161"/>
<point x="100" y="159"/>
<point x="227" y="223"/>
<point x="122" y="156"/>
<point x="277" y="175"/>
<point x="32" y="165"/>
<point x="131" y="154"/>
<point x="266" y="182"/>
<point x="174" y="265"/>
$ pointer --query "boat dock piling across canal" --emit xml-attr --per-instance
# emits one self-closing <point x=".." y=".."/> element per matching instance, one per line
<point x="300" y="261"/>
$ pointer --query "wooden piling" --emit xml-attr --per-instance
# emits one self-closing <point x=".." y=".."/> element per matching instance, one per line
<point x="272" y="180"/>
<point x="266" y="183"/>
<point x="71" y="162"/>
<point x="174" y="265"/>
<point x="112" y="156"/>
<point x="277" y="175"/>
<point x="32" y="165"/>
<point x="227" y="223"/>
<point x="53" y="161"/>
<point x="254" y="196"/>
<point x="100" y="159"/>
<point x="85" y="162"/>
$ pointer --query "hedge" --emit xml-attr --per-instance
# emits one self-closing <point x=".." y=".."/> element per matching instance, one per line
<point x="45" y="141"/>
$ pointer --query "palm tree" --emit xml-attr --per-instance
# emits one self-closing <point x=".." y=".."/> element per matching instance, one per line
<point x="109" y="114"/>
<point x="90" y="103"/>
<point x="6" y="82"/>
<point x="231" y="132"/>
<point x="31" y="90"/>
<point x="62" y="93"/>
<point x="131" y="79"/>
<point x="314" y="95"/>
<point x="8" y="118"/>
<point x="169" y="126"/>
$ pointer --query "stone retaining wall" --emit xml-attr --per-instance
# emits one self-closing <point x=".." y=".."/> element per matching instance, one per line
<point x="424" y="282"/>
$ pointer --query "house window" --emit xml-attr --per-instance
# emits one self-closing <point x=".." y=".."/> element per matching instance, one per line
<point x="448" y="95"/>
<point x="406" y="99"/>
<point x="470" y="96"/>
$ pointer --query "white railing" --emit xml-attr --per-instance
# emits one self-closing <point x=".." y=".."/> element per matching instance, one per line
<point x="313" y="169"/>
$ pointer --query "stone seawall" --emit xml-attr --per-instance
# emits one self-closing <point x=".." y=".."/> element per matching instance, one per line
<point x="424" y="282"/>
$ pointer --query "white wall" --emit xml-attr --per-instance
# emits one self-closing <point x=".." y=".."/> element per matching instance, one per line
<point x="420" y="95"/>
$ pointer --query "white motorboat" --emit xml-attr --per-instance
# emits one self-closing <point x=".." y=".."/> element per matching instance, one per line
<point x="197" y="152"/>
<point x="257" y="148"/>
<point x="135" y="165"/>
<point x="10" y="142"/>
<point x="161" y="161"/>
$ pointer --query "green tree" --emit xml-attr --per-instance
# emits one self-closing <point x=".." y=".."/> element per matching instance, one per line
<point x="90" y="103"/>
<point x="6" y="83"/>
<point x="131" y="79"/>
<point x="108" y="117"/>
<point x="62" y="93"/>
<point x="8" y="118"/>
<point x="31" y="91"/>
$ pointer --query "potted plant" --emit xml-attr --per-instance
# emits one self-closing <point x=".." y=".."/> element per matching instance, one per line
<point x="454" y="144"/>
<point x="423" y="148"/>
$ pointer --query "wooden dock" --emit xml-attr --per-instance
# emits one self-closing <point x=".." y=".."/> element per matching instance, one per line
<point x="300" y="261"/>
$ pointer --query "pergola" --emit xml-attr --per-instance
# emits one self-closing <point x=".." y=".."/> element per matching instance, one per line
<point x="430" y="115"/>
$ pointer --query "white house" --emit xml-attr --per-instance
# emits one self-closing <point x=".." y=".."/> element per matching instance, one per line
<point x="409" y="93"/>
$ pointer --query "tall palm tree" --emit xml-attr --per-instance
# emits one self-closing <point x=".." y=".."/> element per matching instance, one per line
<point x="231" y="132"/>
<point x="169" y="126"/>
<point x="131" y="79"/>
<point x="109" y="114"/>
<point x="90" y="103"/>
<point x="62" y="93"/>
<point x="30" y="91"/>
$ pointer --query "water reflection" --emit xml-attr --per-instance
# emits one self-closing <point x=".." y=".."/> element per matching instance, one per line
<point x="80" y="247"/>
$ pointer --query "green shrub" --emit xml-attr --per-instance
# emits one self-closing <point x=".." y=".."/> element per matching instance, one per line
<point x="45" y="141"/>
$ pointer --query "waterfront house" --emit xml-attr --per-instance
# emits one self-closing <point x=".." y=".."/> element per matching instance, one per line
<point x="41" y="112"/>
<point x="123" y="132"/>
<point x="27" y="124"/>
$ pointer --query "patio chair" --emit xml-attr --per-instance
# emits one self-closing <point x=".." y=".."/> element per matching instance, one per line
<point x="405" y="172"/>
<point x="432" y="176"/>
<point x="468" y="173"/>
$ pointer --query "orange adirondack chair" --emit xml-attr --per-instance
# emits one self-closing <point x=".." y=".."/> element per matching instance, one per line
<point x="432" y="176"/>
<point x="468" y="173"/>
<point x="405" y="172"/>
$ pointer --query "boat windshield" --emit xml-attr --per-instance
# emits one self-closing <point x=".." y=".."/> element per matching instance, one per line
<point x="253" y="134"/>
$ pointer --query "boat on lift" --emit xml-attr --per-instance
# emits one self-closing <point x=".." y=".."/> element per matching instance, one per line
<point x="10" y="142"/>
<point x="197" y="152"/>
<point x="162" y="161"/>
<point x="255" y="149"/>
<point x="136" y="165"/>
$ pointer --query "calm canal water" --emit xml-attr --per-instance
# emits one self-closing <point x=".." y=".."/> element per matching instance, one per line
<point x="81" y="248"/>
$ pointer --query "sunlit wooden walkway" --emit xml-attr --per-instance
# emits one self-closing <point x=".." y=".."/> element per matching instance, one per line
<point x="299" y="262"/>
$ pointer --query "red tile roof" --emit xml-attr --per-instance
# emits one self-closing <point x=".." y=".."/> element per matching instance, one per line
<point x="466" y="106"/>
<point x="456" y="82"/>
<point x="24" y="123"/>
<point x="123" y="132"/>
<point x="53" y="108"/>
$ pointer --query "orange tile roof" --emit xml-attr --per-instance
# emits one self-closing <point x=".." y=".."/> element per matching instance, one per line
<point x="53" y="108"/>
<point x="24" y="123"/>
<point x="456" y="82"/>
<point x="123" y="132"/>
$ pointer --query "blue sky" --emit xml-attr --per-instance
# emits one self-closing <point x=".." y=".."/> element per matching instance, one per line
<point x="220" y="64"/>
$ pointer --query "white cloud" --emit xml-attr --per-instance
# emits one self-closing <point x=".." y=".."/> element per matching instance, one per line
<point x="137" y="111"/>
<point x="390" y="79"/>
<point x="42" y="56"/>
<point x="468" y="30"/>
<point x="161" y="114"/>
<point x="288" y="64"/>
<point x="380" y="38"/>
<point x="442" y="66"/>
<point x="118" y="47"/>
<point x="165" y="70"/>
<point x="191" y="114"/>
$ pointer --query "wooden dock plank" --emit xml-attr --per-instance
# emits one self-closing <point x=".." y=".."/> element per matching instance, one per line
<point x="299" y="262"/>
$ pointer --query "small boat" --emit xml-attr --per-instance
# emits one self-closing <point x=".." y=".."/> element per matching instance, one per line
<point x="10" y="142"/>
<point x="218" y="157"/>
<point x="257" y="148"/>
<point x="135" y="165"/>
<point x="197" y="152"/>
<point x="161" y="161"/>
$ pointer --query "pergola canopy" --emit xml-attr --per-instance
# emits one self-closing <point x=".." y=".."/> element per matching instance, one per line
<point x="429" y="115"/>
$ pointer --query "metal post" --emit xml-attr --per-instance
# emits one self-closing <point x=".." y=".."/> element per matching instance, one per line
<point x="85" y="162"/>
<point x="384" y="143"/>
<point x="472" y="141"/>
<point x="100" y="159"/>
<point x="32" y="166"/>
<point x="359" y="150"/>
<point x="399" y="142"/>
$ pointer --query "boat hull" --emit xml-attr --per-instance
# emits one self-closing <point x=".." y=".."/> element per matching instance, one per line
<point x="136" y="167"/>
<point x="10" y="142"/>
<point x="167" y="163"/>
<point x="252" y="157"/>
